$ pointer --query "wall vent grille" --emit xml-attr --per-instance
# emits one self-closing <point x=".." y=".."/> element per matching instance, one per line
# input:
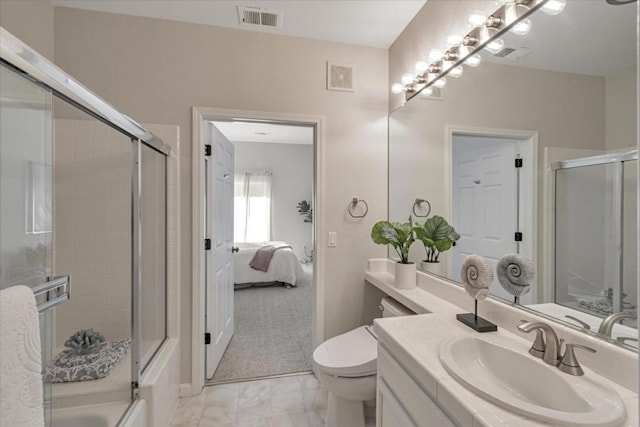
<point x="254" y="16"/>
<point x="341" y="77"/>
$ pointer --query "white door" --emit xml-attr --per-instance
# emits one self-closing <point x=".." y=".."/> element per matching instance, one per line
<point x="485" y="200"/>
<point x="219" y="258"/>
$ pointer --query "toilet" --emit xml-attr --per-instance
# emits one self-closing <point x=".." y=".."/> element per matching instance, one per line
<point x="346" y="366"/>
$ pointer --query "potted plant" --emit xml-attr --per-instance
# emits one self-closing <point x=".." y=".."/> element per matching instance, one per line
<point x="400" y="236"/>
<point x="437" y="236"/>
<point x="304" y="209"/>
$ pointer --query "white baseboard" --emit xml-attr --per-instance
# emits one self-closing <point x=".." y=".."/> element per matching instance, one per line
<point x="186" y="390"/>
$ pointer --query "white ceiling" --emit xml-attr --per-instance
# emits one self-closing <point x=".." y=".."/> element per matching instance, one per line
<point x="587" y="37"/>
<point x="374" y="23"/>
<point x="265" y="132"/>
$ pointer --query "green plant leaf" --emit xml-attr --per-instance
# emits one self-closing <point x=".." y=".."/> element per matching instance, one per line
<point x="437" y="228"/>
<point x="381" y="234"/>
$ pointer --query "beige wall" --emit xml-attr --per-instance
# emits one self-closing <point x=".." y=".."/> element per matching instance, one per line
<point x="31" y="21"/>
<point x="622" y="110"/>
<point x="156" y="70"/>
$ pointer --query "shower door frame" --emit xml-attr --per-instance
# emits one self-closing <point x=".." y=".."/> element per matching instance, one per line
<point x="28" y="63"/>
<point x="617" y="160"/>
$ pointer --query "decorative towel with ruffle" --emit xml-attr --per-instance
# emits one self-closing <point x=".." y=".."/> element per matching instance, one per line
<point x="477" y="276"/>
<point x="515" y="274"/>
<point x="20" y="359"/>
<point x="71" y="366"/>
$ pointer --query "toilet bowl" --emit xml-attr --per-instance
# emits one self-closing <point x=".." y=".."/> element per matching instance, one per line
<point x="346" y="366"/>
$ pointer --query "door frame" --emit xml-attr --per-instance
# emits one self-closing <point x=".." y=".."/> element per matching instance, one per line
<point x="529" y="180"/>
<point x="199" y="115"/>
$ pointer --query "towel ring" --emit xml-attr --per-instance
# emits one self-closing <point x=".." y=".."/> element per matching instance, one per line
<point x="417" y="203"/>
<point x="354" y="202"/>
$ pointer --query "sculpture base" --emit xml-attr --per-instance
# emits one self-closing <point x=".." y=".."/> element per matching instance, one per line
<point x="476" y="323"/>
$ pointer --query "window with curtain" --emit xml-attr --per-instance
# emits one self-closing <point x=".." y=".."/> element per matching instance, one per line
<point x="252" y="207"/>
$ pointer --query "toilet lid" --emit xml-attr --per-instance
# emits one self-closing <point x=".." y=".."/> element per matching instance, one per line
<point x="352" y="354"/>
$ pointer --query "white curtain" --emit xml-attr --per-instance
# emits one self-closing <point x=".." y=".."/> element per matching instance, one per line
<point x="252" y="207"/>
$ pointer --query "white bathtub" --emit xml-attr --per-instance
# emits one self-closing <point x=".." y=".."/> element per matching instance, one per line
<point x="106" y="415"/>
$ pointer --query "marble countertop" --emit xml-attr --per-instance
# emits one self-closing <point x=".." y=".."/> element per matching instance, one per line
<point x="414" y="342"/>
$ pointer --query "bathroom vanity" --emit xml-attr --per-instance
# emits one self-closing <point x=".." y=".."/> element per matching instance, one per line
<point x="415" y="389"/>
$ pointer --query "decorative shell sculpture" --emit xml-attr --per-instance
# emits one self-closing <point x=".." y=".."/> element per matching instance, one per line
<point x="84" y="340"/>
<point x="515" y="274"/>
<point x="477" y="276"/>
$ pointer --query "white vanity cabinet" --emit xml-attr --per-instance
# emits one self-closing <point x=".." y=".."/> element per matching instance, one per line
<point x="400" y="401"/>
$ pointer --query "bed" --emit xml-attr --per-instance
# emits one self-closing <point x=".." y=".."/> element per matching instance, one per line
<point x="285" y="267"/>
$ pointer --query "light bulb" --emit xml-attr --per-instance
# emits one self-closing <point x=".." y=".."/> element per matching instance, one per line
<point x="456" y="72"/>
<point x="440" y="83"/>
<point x="477" y="19"/>
<point x="427" y="91"/>
<point x="473" y="60"/>
<point x="397" y="88"/>
<point x="421" y="67"/>
<point x="406" y="78"/>
<point x="454" y="40"/>
<point x="522" y="27"/>
<point x="435" y="55"/>
<point x="495" y="46"/>
<point x="554" y="7"/>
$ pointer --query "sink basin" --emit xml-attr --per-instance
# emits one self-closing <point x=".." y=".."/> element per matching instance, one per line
<point x="527" y="386"/>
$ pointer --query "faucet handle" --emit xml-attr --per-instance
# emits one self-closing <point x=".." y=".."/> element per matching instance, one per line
<point x="538" y="347"/>
<point x="569" y="364"/>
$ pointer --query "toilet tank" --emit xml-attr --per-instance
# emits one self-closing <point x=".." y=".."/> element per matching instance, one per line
<point x="392" y="308"/>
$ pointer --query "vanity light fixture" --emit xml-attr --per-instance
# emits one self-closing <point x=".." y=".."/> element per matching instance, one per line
<point x="397" y="88"/>
<point x="495" y="46"/>
<point x="456" y="71"/>
<point x="522" y="27"/>
<point x="421" y="67"/>
<point x="407" y="78"/>
<point x="554" y="7"/>
<point x="473" y="60"/>
<point x="477" y="19"/>
<point x="512" y="15"/>
<point x="440" y="83"/>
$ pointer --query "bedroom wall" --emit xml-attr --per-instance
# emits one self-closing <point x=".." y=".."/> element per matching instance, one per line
<point x="292" y="181"/>
<point x="156" y="71"/>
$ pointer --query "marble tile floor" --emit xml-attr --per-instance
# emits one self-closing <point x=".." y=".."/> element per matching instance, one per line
<point x="293" y="401"/>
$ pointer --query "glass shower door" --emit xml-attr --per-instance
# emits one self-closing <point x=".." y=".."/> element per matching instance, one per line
<point x="26" y="192"/>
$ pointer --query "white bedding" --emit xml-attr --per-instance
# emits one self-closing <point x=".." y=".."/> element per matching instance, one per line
<point x="284" y="267"/>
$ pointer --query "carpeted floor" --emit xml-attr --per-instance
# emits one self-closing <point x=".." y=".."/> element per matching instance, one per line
<point x="272" y="333"/>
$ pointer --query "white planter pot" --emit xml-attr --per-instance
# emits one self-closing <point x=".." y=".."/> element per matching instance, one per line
<point x="405" y="276"/>
<point x="432" y="267"/>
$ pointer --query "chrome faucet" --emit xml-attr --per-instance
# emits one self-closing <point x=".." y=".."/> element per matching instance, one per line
<point x="546" y="345"/>
<point x="607" y="324"/>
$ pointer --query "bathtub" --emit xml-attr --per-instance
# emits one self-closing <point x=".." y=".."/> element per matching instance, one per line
<point x="105" y="415"/>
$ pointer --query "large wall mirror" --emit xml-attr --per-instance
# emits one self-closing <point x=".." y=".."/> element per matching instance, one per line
<point x="561" y="101"/>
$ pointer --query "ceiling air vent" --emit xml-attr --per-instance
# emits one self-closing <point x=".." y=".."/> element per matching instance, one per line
<point x="255" y="16"/>
<point x="512" y="53"/>
<point x="341" y="77"/>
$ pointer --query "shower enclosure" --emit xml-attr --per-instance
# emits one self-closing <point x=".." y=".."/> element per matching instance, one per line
<point x="83" y="223"/>
<point x="595" y="251"/>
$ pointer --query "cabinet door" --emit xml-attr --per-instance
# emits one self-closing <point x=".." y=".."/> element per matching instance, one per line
<point x="390" y="410"/>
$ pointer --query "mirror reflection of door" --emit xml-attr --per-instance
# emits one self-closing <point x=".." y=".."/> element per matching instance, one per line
<point x="486" y="200"/>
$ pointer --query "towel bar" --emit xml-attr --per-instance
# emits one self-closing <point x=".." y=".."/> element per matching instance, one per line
<point x="56" y="291"/>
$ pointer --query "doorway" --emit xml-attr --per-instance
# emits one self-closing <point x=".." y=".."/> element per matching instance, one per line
<point x="262" y="323"/>
<point x="492" y="184"/>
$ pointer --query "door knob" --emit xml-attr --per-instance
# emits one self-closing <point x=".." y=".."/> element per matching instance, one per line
<point x="234" y="249"/>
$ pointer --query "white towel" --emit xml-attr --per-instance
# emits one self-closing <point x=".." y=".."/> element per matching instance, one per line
<point x="477" y="276"/>
<point x="20" y="359"/>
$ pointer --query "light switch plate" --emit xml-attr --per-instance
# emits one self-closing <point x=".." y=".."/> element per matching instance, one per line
<point x="333" y="239"/>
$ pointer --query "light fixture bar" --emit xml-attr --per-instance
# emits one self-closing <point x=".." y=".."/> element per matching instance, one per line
<point x="498" y="23"/>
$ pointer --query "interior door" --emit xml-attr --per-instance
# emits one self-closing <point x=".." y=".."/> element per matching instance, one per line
<point x="219" y="168"/>
<point x="485" y="200"/>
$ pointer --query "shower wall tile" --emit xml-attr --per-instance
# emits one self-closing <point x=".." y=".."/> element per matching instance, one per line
<point x="92" y="222"/>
